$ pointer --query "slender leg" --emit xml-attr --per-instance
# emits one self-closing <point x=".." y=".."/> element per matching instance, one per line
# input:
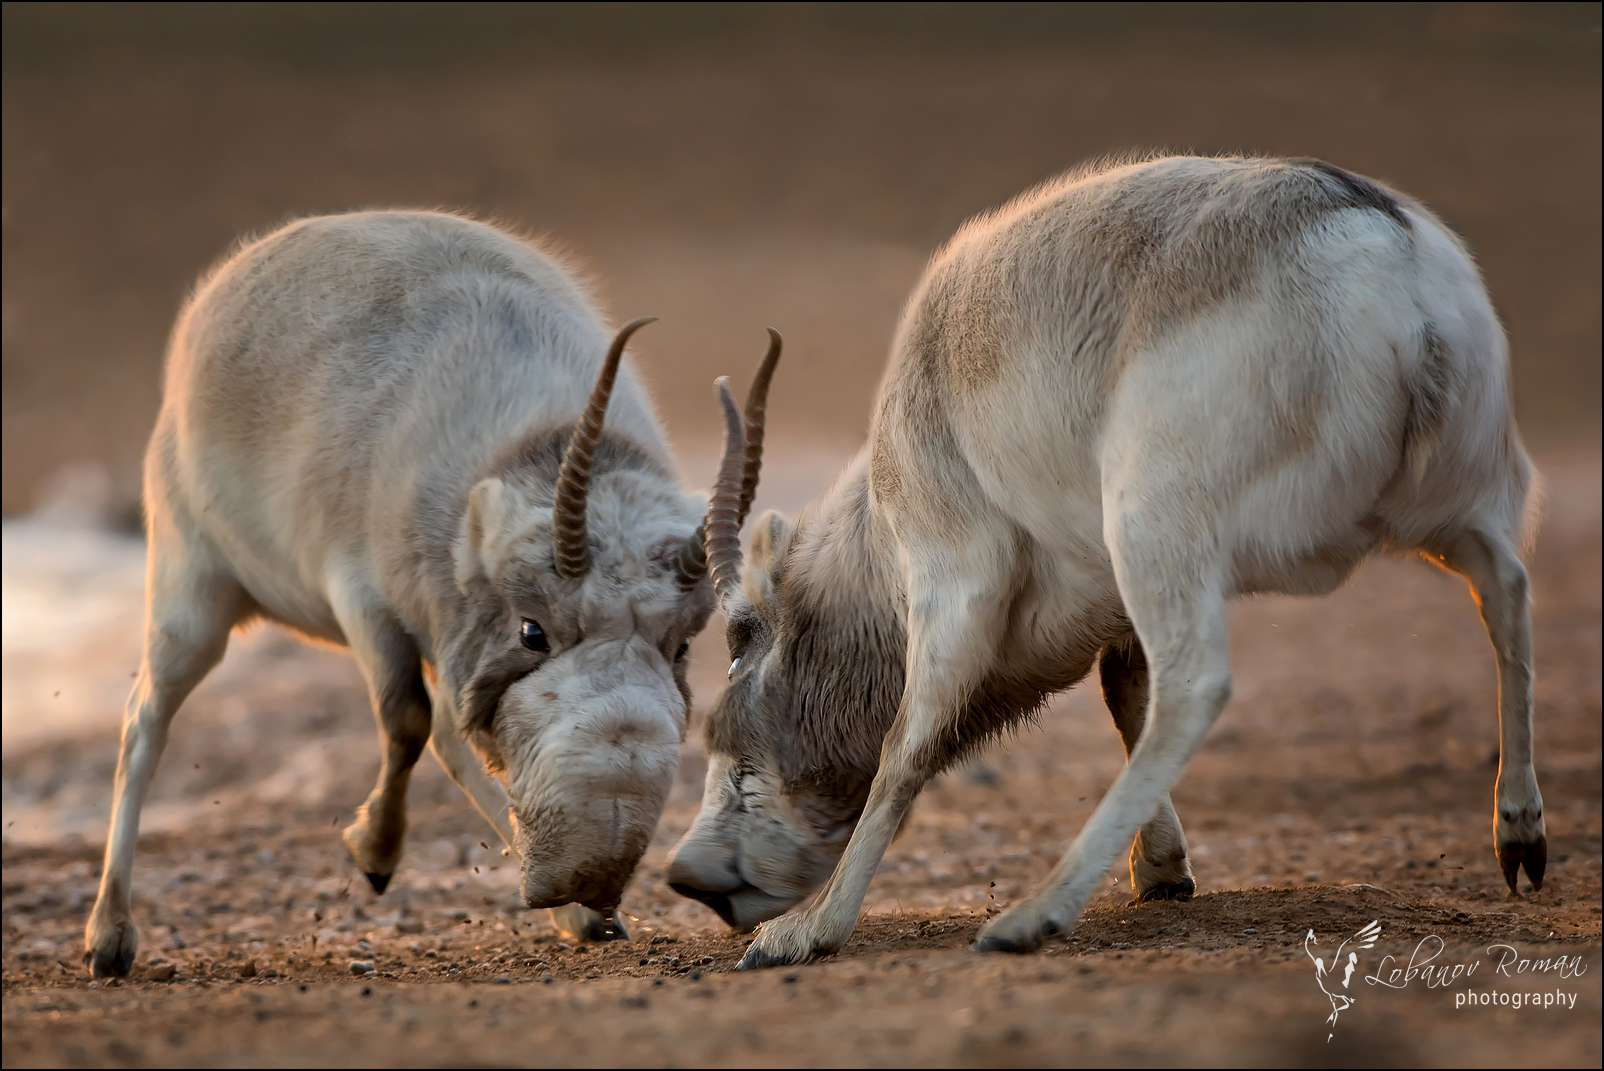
<point x="463" y="766"/>
<point x="401" y="707"/>
<point x="1499" y="582"/>
<point x="951" y="624"/>
<point x="191" y="605"/>
<point x="575" y="921"/>
<point x="1160" y="869"/>
<point x="1174" y="595"/>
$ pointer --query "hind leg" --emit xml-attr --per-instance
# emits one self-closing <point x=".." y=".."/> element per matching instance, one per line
<point x="1499" y="582"/>
<point x="1160" y="869"/>
<point x="394" y="673"/>
<point x="191" y="605"/>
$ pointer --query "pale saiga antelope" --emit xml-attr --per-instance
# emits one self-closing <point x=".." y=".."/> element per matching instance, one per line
<point x="1112" y="405"/>
<point x="406" y="432"/>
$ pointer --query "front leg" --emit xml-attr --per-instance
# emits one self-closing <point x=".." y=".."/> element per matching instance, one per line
<point x="1160" y="869"/>
<point x="951" y="621"/>
<point x="401" y="707"/>
<point x="1172" y="584"/>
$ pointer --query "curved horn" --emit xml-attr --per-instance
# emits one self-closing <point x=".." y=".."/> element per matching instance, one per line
<point x="723" y="523"/>
<point x="757" y="404"/>
<point x="693" y="557"/>
<point x="569" y="538"/>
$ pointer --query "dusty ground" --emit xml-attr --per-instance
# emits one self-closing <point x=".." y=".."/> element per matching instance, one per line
<point x="1349" y="780"/>
<point x="798" y="180"/>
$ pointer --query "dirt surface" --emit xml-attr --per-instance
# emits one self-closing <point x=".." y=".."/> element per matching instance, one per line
<point x="796" y="178"/>
<point x="1349" y="781"/>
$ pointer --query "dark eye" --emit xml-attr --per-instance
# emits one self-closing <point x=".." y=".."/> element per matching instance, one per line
<point x="533" y="636"/>
<point x="684" y="649"/>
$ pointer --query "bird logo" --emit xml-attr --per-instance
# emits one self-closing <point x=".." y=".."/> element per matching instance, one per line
<point x="1346" y="958"/>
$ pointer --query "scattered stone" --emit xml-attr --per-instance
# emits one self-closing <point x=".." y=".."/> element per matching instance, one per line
<point x="1250" y="931"/>
<point x="501" y="979"/>
<point x="360" y="967"/>
<point x="161" y="972"/>
<point x="247" y="969"/>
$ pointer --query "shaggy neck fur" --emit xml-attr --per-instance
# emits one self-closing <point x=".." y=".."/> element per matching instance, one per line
<point x="842" y="635"/>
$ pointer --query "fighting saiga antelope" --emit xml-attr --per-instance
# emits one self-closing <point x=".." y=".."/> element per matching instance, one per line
<point x="1114" y="404"/>
<point x="406" y="433"/>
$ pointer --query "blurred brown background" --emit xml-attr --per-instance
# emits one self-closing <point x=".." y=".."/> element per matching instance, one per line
<point x="727" y="167"/>
<point x="732" y="166"/>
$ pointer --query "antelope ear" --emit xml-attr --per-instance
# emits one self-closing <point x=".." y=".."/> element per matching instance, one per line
<point x="771" y="535"/>
<point x="487" y="509"/>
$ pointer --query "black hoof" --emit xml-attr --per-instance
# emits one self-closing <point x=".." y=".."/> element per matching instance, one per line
<point x="380" y="882"/>
<point x="1533" y="858"/>
<point x="115" y="964"/>
<point x="992" y="943"/>
<point x="1536" y="862"/>
<point x="605" y="928"/>
<point x="1169" y="890"/>
<point x="756" y="960"/>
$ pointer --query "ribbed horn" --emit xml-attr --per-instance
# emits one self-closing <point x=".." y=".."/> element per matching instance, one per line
<point x="757" y="404"/>
<point x="569" y="538"/>
<point x="723" y="523"/>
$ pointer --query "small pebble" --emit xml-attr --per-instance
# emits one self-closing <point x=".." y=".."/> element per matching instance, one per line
<point x="501" y="979"/>
<point x="360" y="967"/>
<point x="1250" y="931"/>
<point x="163" y="972"/>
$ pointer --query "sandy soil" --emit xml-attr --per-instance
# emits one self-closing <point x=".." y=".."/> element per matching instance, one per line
<point x="1348" y="781"/>
<point x="800" y="182"/>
